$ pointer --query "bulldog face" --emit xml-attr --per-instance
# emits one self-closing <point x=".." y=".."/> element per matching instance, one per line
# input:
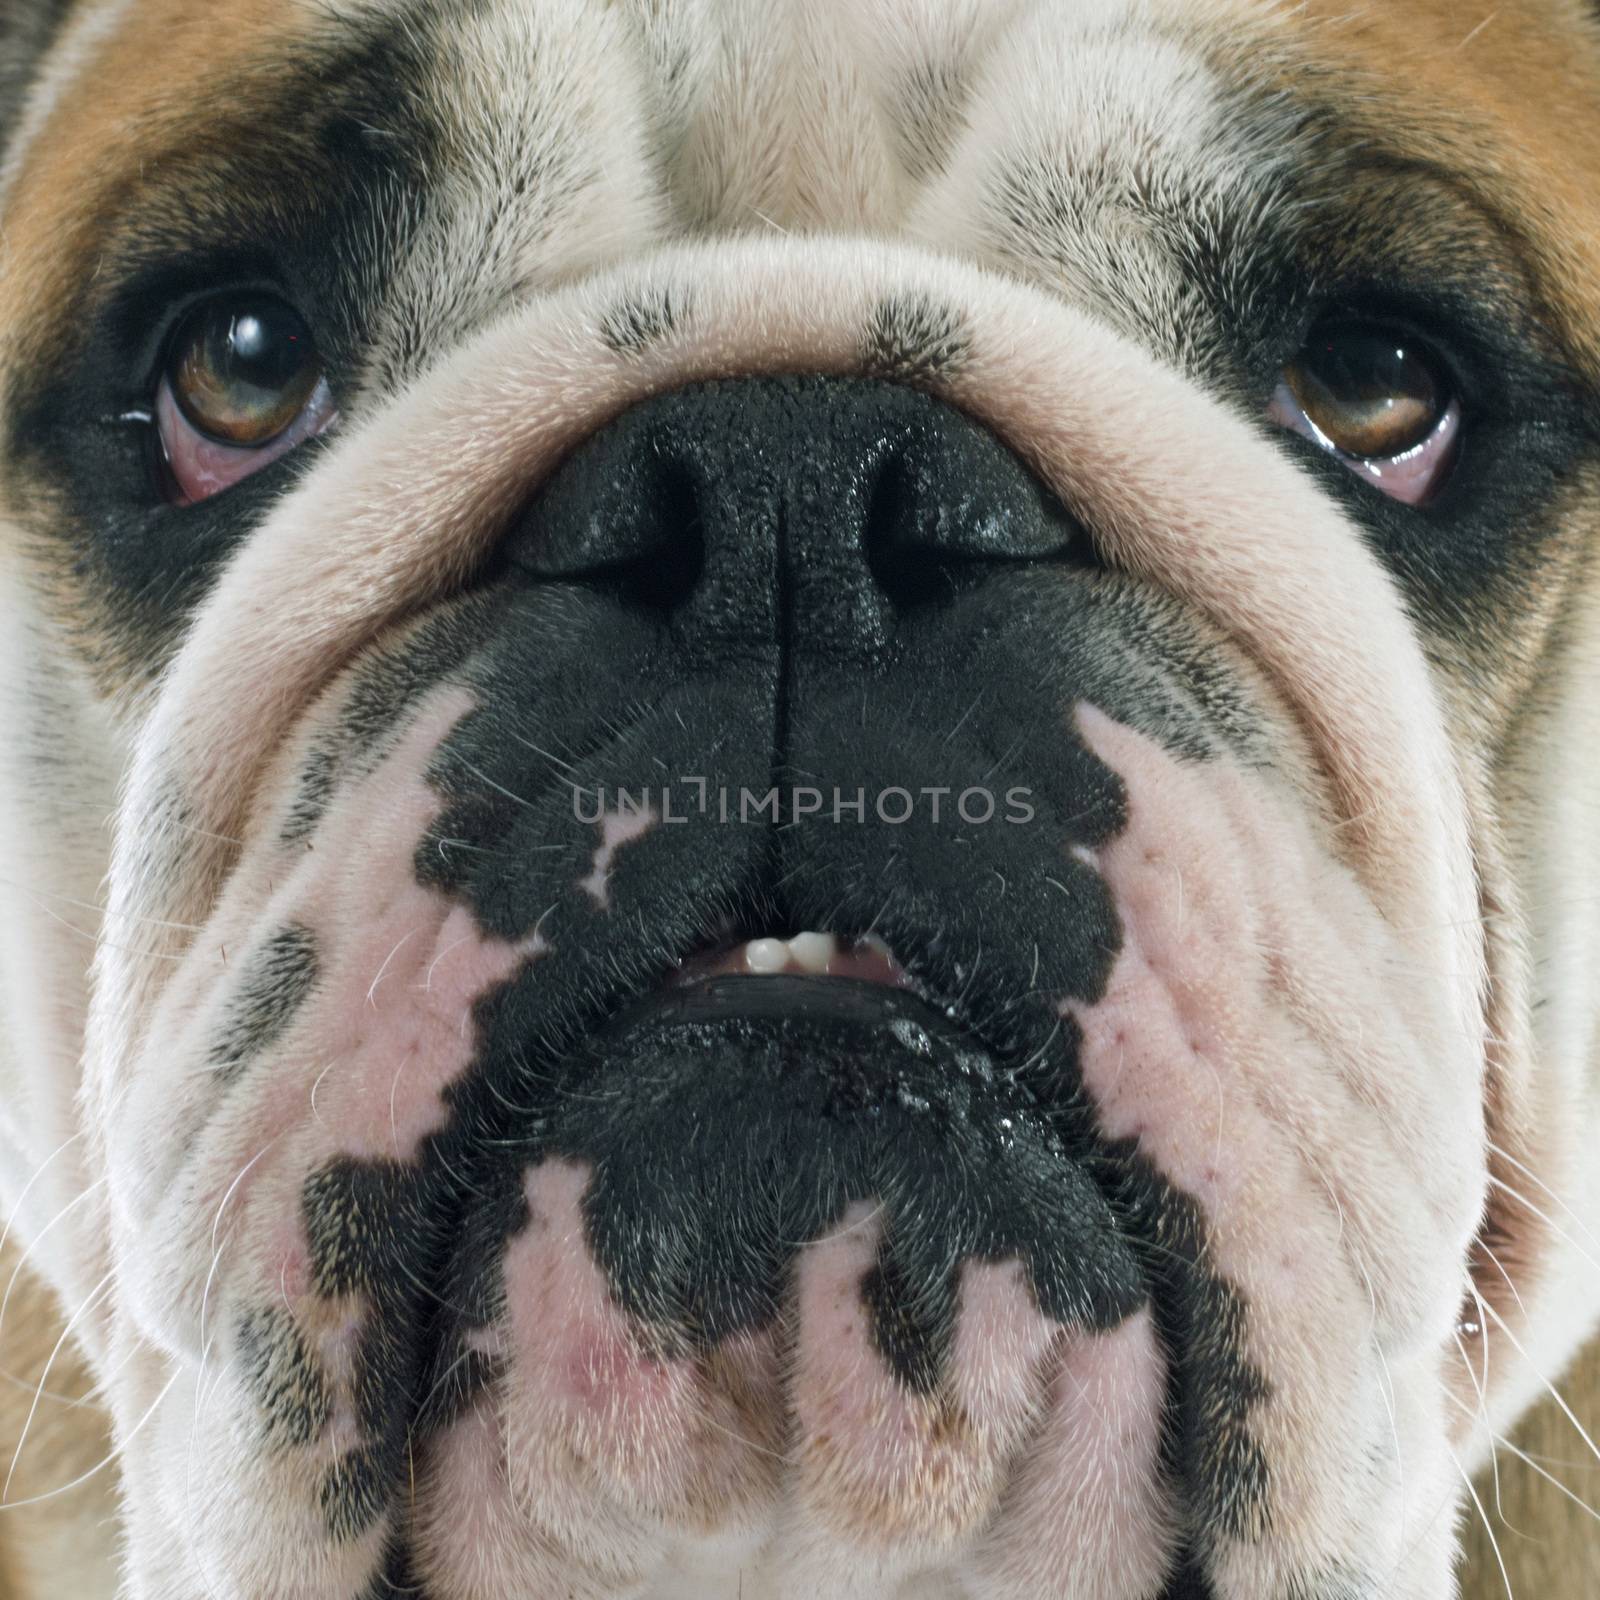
<point x="844" y="749"/>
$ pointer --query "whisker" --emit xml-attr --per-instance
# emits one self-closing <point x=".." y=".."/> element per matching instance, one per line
<point x="1554" y="1393"/>
<point x="1480" y="1383"/>
<point x="216" y="1228"/>
<point x="1494" y="1261"/>
<point x="99" y="941"/>
<point x="1483" y="1516"/>
<point x="1532" y="1462"/>
<point x="1549" y="1221"/>
<point x="372" y="989"/>
<point x="38" y="1172"/>
<point x="34" y="893"/>
<point x="38" y="1239"/>
<point x="1527" y="1172"/>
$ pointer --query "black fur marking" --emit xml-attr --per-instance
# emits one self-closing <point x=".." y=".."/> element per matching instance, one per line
<point x="381" y="690"/>
<point x="807" y="1103"/>
<point x="911" y="338"/>
<point x="362" y="1221"/>
<point x="1214" y="1388"/>
<point x="280" y="976"/>
<point x="911" y="1334"/>
<point x="397" y="1579"/>
<point x="319" y="777"/>
<point x="355" y="1491"/>
<point x="632" y="326"/>
<point x="290" y="1390"/>
<point x="930" y="108"/>
<point x="1189" y="1582"/>
<point x="376" y="1231"/>
<point x="463" y="1378"/>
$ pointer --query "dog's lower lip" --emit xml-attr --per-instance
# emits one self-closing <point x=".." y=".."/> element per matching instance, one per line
<point x="775" y="1002"/>
<point x="840" y="1021"/>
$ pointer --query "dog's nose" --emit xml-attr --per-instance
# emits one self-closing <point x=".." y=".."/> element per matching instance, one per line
<point x="736" y="505"/>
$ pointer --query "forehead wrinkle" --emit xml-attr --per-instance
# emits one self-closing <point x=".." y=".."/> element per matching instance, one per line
<point x="1119" y="161"/>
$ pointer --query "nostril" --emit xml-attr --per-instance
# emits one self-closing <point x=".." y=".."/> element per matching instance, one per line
<point x="857" y="499"/>
<point x="625" y="511"/>
<point x="662" y="575"/>
<point x="949" y="499"/>
<point x="909" y="570"/>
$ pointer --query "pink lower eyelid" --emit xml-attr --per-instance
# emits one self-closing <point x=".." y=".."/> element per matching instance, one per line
<point x="200" y="467"/>
<point x="1414" y="476"/>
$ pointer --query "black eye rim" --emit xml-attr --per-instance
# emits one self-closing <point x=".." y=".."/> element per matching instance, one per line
<point x="180" y="324"/>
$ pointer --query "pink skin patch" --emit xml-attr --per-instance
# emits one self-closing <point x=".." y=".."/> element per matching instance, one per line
<point x="599" y="1409"/>
<point x="1266" y="1041"/>
<point x="361" y="1068"/>
<point x="475" y="1540"/>
<point x="605" y="1438"/>
<point x="1089" y="1516"/>
<point x="880" y="1464"/>
<point x="617" y="828"/>
<point x="396" y="1041"/>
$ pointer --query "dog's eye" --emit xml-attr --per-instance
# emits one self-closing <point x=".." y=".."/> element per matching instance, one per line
<point x="242" y="384"/>
<point x="1376" y="400"/>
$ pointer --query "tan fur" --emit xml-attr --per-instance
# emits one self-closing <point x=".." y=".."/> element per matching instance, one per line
<point x="1527" y="71"/>
<point x="1550" y="1543"/>
<point x="98" y="135"/>
<point x="64" y="1545"/>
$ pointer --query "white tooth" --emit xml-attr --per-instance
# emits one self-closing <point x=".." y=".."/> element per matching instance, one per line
<point x="766" y="955"/>
<point x="813" y="951"/>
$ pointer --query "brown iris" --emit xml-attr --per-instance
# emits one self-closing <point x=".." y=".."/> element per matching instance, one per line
<point x="1367" y="390"/>
<point x="243" y="368"/>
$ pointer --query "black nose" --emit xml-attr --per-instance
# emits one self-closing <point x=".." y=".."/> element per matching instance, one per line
<point x="737" y="506"/>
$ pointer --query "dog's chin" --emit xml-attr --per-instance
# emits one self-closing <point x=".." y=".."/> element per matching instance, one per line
<point x="811" y="1094"/>
<point x="1002" y="1180"/>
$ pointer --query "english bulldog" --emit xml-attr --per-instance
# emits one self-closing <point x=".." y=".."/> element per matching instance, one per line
<point x="798" y="794"/>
